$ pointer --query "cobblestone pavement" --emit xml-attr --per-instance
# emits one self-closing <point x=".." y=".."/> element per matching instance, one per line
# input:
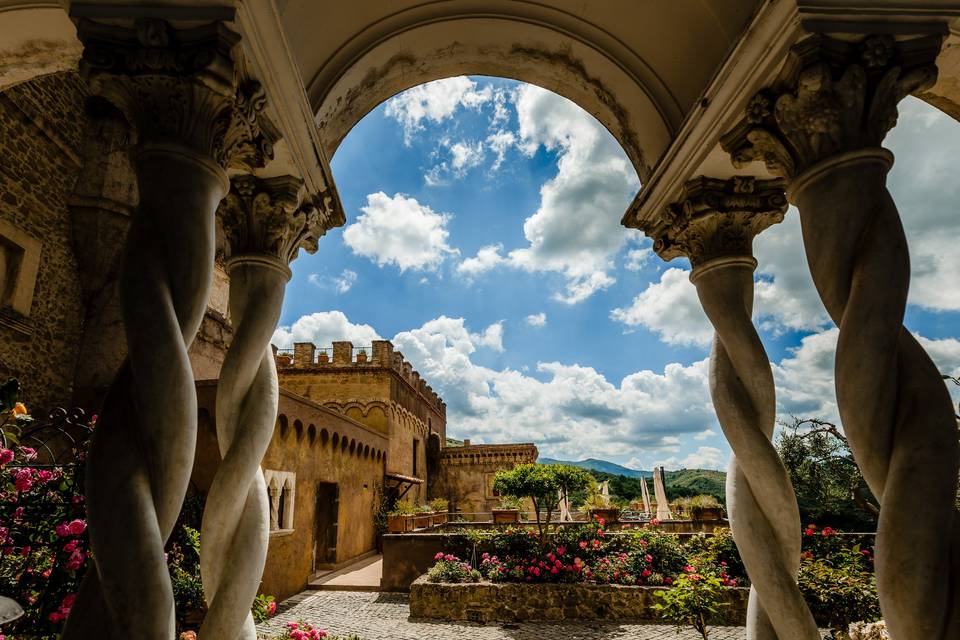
<point x="385" y="616"/>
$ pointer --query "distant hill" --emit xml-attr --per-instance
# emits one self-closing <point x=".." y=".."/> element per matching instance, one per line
<point x="679" y="484"/>
<point x="601" y="465"/>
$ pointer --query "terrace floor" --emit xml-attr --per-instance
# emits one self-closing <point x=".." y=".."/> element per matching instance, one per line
<point x="386" y="616"/>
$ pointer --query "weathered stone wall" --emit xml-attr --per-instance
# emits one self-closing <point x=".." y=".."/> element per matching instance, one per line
<point x="466" y="474"/>
<point x="318" y="445"/>
<point x="509" y="602"/>
<point x="41" y="127"/>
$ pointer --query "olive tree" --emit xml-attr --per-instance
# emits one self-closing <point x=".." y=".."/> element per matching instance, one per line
<point x="543" y="484"/>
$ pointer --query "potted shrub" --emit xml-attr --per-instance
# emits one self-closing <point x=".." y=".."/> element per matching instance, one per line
<point x="362" y="355"/>
<point x="598" y="505"/>
<point x="508" y="512"/>
<point x="543" y="484"/>
<point x="705" y="507"/>
<point x="440" y="507"/>
<point x="680" y="508"/>
<point x="323" y="358"/>
<point x="400" y="519"/>
<point x="423" y="517"/>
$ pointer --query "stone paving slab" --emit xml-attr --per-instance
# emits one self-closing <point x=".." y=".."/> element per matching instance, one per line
<point x="385" y="616"/>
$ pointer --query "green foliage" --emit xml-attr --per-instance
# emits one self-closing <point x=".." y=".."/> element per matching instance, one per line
<point x="825" y="477"/>
<point x="837" y="580"/>
<point x="402" y="509"/>
<point x="440" y="504"/>
<point x="696" y="482"/>
<point x="263" y="608"/>
<point x="684" y="483"/>
<point x="450" y="568"/>
<point x="664" y="547"/>
<point x="183" y="561"/>
<point x="695" y="599"/>
<point x="381" y="508"/>
<point x="511" y="502"/>
<point x="542" y="484"/>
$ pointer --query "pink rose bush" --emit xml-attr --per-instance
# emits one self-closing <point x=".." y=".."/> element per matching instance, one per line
<point x="44" y="550"/>
<point x="301" y="630"/>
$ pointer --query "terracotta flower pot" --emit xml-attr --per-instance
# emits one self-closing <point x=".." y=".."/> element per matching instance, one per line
<point x="506" y="516"/>
<point x="397" y="524"/>
<point x="611" y="514"/>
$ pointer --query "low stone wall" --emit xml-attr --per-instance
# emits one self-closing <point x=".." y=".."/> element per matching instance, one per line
<point x="407" y="556"/>
<point x="515" y="602"/>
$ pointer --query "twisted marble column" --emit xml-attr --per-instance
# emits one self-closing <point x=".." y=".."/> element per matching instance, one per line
<point x="821" y="127"/>
<point x="714" y="226"/>
<point x="265" y="228"/>
<point x="178" y="92"/>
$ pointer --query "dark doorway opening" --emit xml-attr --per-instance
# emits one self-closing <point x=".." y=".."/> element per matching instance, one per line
<point x="328" y="511"/>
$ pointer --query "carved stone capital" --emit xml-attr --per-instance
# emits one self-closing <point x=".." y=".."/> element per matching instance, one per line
<point x="180" y="87"/>
<point x="832" y="96"/>
<point x="270" y="216"/>
<point x="717" y="218"/>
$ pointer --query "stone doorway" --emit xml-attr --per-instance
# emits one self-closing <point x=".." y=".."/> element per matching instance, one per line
<point x="328" y="510"/>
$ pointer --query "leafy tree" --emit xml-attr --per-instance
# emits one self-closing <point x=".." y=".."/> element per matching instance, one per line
<point x="543" y="484"/>
<point x="830" y="489"/>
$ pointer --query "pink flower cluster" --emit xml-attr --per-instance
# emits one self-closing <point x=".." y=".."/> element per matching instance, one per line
<point x="25" y="478"/>
<point x="64" y="609"/>
<point x="303" y="631"/>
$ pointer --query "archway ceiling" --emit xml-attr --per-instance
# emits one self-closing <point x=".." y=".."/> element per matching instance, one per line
<point x="638" y="67"/>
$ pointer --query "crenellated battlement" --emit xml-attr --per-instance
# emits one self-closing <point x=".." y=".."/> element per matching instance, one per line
<point x="512" y="454"/>
<point x="306" y="356"/>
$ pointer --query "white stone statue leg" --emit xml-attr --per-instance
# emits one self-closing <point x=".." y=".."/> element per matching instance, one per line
<point x="142" y="451"/>
<point x="895" y="409"/>
<point x="236" y="521"/>
<point x="763" y="508"/>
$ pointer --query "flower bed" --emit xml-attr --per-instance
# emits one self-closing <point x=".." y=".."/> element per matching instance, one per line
<point x="486" y="601"/>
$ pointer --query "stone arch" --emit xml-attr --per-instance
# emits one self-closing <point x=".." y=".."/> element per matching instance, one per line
<point x="638" y="76"/>
<point x="366" y="451"/>
<point x="39" y="39"/>
<point x="344" y="443"/>
<point x="298" y="429"/>
<point x="336" y="440"/>
<point x="312" y="433"/>
<point x="284" y="426"/>
<point x="324" y="437"/>
<point x="353" y="445"/>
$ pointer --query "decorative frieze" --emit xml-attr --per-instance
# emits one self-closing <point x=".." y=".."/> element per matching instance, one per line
<point x="831" y="96"/>
<point x="716" y="218"/>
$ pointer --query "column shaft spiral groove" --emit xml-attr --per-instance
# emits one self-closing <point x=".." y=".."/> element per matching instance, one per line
<point x="895" y="410"/>
<point x="764" y="516"/>
<point x="142" y="452"/>
<point x="236" y="522"/>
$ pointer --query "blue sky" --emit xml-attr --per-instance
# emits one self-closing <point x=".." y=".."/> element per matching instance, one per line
<point x="483" y="238"/>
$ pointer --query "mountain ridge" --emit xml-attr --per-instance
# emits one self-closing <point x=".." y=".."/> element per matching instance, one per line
<point x="605" y="466"/>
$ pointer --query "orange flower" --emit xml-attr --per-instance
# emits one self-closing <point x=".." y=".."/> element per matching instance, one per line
<point x="19" y="409"/>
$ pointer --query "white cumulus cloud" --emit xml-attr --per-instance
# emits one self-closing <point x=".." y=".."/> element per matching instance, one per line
<point x="576" y="230"/>
<point x="537" y="319"/>
<point x="399" y="231"/>
<point x="322" y="329"/>
<point x="671" y="309"/>
<point x="487" y="258"/>
<point x="434" y="101"/>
